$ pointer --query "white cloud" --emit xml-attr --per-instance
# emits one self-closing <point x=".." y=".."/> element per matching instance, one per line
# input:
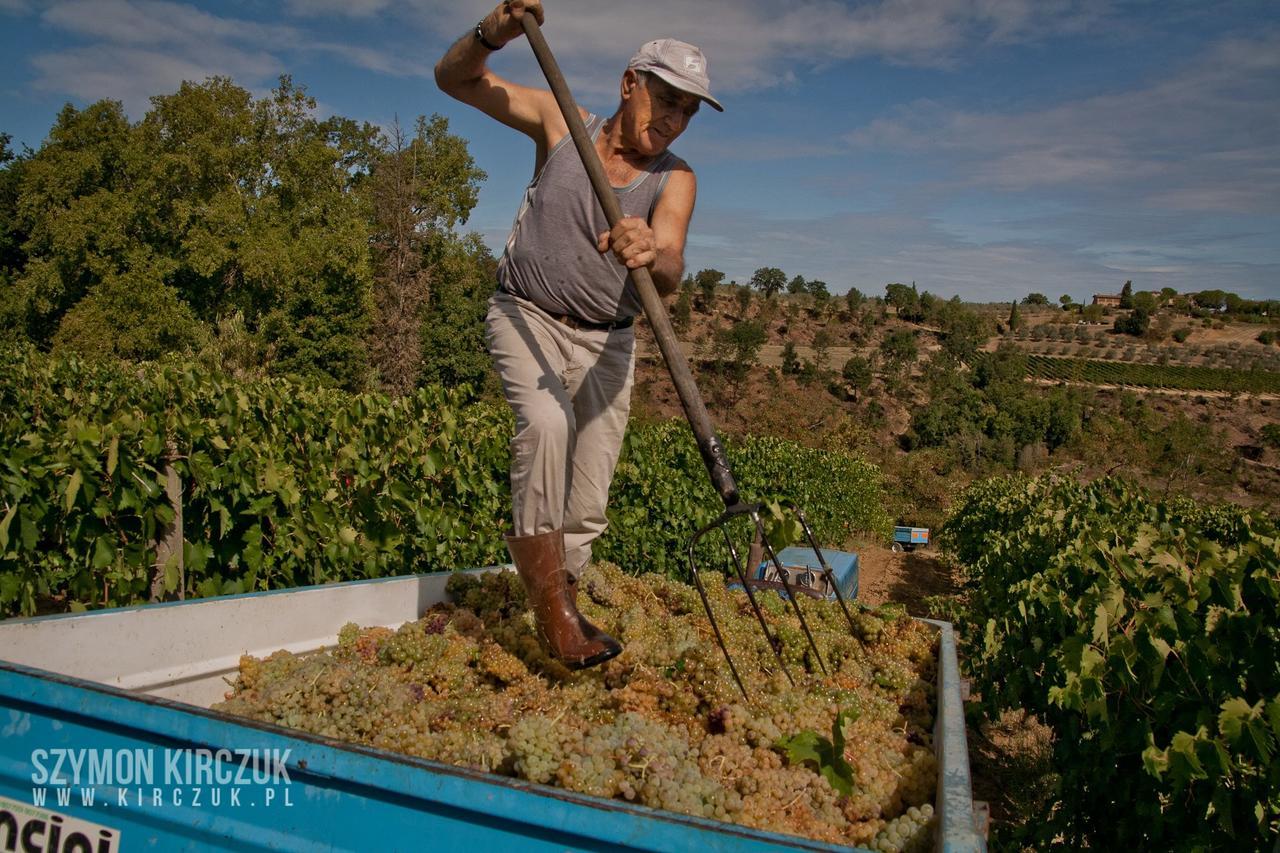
<point x="345" y="8"/>
<point x="132" y="75"/>
<point x="753" y="43"/>
<point x="868" y="250"/>
<point x="1204" y="137"/>
<point x="140" y="48"/>
<point x="14" y="7"/>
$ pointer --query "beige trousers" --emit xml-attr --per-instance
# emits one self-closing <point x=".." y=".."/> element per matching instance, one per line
<point x="571" y="393"/>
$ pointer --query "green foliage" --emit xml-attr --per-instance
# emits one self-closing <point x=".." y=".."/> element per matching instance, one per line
<point x="289" y="483"/>
<point x="138" y="240"/>
<point x="1135" y="323"/>
<point x="1181" y="334"/>
<point x="1267" y="338"/>
<point x="1036" y="299"/>
<point x="797" y="285"/>
<point x="1015" y="317"/>
<point x="708" y="280"/>
<point x="739" y="347"/>
<point x="990" y="414"/>
<point x="454" y="352"/>
<point x="790" y="360"/>
<point x="823" y="755"/>
<point x="854" y="299"/>
<point x="1126" y="295"/>
<point x="682" y="311"/>
<point x="1271" y="435"/>
<point x="898" y="348"/>
<point x="12" y="237"/>
<point x="906" y="300"/>
<point x="661" y="495"/>
<point x="1144" y="633"/>
<point x="962" y="329"/>
<point x="1153" y="375"/>
<point x="768" y="280"/>
<point x="857" y="373"/>
<point x="821" y="295"/>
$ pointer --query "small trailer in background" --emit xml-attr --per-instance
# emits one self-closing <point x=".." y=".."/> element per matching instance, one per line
<point x="909" y="538"/>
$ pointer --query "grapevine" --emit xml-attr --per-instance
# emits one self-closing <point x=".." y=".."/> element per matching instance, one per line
<point x="1144" y="632"/>
<point x="662" y="725"/>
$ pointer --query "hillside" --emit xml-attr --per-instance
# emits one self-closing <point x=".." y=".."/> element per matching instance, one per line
<point x="1219" y="435"/>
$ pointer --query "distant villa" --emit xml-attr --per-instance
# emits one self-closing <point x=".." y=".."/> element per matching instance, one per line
<point x="1107" y="300"/>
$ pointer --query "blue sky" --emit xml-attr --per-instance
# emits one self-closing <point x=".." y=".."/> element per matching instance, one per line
<point x="986" y="148"/>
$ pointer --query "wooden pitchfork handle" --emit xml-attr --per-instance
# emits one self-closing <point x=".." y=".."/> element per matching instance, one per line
<point x="709" y="445"/>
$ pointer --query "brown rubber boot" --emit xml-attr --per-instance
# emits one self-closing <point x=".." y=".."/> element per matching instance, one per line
<point x="567" y="635"/>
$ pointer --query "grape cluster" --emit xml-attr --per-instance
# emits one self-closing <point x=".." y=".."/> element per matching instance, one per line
<point x="911" y="832"/>
<point x="663" y="724"/>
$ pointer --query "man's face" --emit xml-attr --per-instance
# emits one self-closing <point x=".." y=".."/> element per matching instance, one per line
<point x="655" y="112"/>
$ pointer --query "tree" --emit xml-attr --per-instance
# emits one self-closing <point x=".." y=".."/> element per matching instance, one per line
<point x="1036" y="299"/>
<point x="1065" y="300"/>
<point x="744" y="300"/>
<point x="1126" y="295"/>
<point x="453" y="335"/>
<point x="790" y="361"/>
<point x="740" y="345"/>
<point x="821" y="296"/>
<point x="1136" y="322"/>
<point x="12" y="236"/>
<point x="797" y="285"/>
<point x="418" y="188"/>
<point x="854" y="299"/>
<point x="1015" y="318"/>
<point x="857" y="374"/>
<point x="1211" y="300"/>
<point x="963" y="331"/>
<point x="1146" y="300"/>
<point x="906" y="300"/>
<point x="682" y="311"/>
<point x="1168" y="293"/>
<point x="899" y="348"/>
<point x="822" y="349"/>
<point x="768" y="280"/>
<point x="311" y="242"/>
<point x="708" y="280"/>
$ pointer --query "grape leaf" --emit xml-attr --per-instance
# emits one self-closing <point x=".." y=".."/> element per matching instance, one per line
<point x="825" y="756"/>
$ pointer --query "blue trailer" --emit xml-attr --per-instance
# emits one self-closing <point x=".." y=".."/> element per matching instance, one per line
<point x="107" y="744"/>
<point x="909" y="538"/>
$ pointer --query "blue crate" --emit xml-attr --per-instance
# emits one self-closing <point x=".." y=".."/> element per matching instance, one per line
<point x="844" y="565"/>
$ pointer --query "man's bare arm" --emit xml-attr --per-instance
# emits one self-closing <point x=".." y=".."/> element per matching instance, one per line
<point x="658" y="245"/>
<point x="464" y="74"/>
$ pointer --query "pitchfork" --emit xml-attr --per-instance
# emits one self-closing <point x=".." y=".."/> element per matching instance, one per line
<point x="713" y="454"/>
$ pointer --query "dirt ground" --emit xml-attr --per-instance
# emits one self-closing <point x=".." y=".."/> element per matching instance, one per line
<point x="906" y="578"/>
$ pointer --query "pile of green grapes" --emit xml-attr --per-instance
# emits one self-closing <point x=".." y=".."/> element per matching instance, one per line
<point x="663" y="724"/>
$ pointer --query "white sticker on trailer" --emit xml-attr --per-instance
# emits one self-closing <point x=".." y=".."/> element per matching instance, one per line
<point x="24" y="827"/>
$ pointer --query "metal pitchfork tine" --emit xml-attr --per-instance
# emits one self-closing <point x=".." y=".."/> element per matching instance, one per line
<point x="713" y="455"/>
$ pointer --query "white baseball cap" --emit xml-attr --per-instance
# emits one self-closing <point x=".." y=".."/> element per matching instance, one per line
<point x="678" y="63"/>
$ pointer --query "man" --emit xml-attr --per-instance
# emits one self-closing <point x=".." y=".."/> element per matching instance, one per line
<point x="559" y="328"/>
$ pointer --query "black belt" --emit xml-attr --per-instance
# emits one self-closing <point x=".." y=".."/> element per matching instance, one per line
<point x="577" y="323"/>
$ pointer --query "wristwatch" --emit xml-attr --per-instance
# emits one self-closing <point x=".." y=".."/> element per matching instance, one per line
<point x="484" y="41"/>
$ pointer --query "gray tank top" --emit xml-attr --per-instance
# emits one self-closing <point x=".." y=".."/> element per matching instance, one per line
<point x="551" y="256"/>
